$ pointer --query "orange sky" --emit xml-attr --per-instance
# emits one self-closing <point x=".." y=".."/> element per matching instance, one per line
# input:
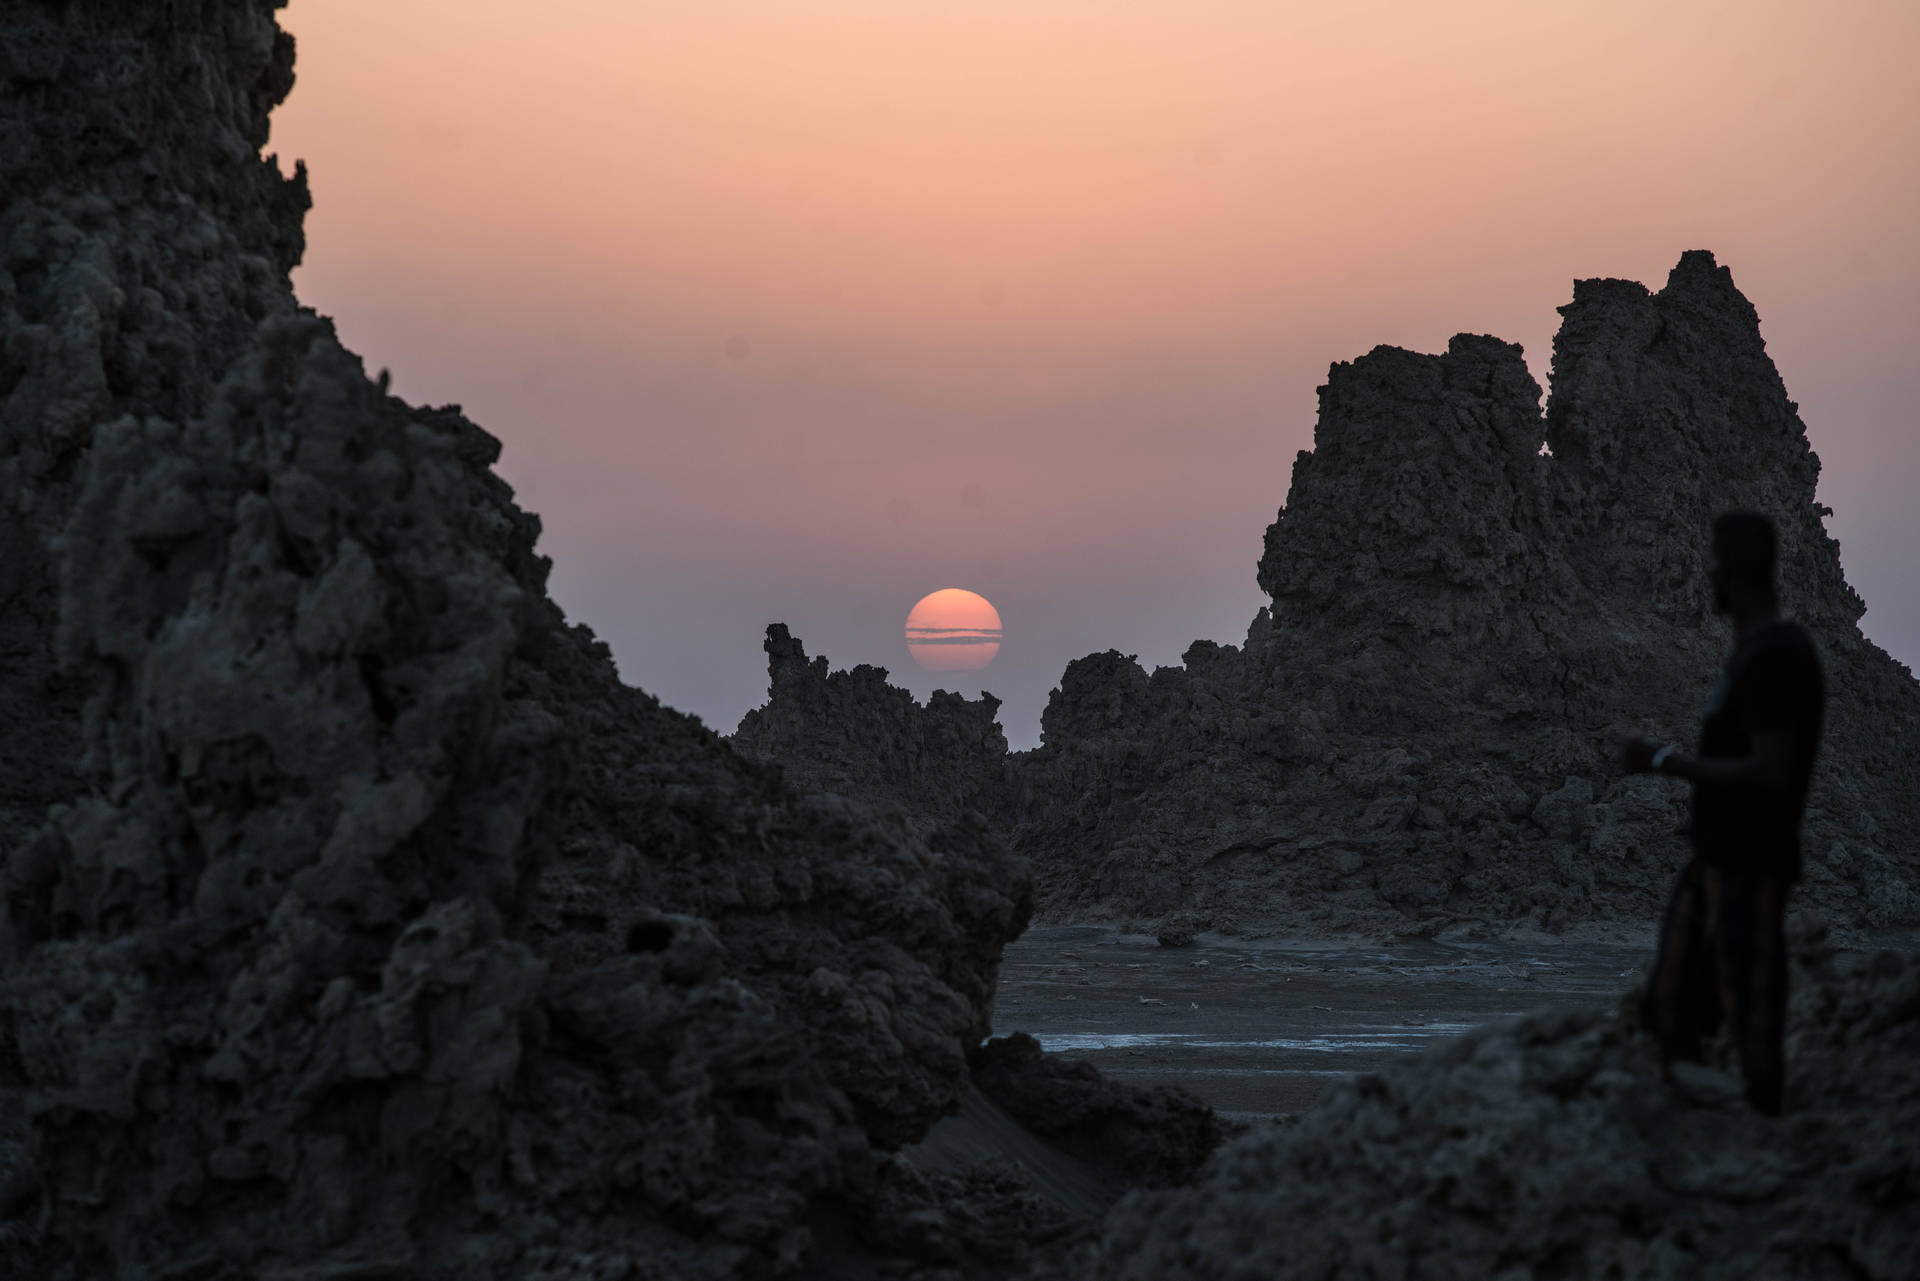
<point x="798" y="311"/>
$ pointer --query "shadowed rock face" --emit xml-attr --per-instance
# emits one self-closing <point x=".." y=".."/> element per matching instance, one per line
<point x="852" y="733"/>
<point x="1414" y="514"/>
<point x="356" y="917"/>
<point x="1156" y="1137"/>
<point x="1419" y="733"/>
<point x="127" y="290"/>
<point x="1666" y="409"/>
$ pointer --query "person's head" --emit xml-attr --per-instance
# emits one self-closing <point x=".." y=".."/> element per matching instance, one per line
<point x="1744" y="548"/>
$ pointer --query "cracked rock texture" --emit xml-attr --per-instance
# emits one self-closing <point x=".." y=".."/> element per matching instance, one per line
<point x="1418" y="734"/>
<point x="1551" y="1146"/>
<point x="354" y="918"/>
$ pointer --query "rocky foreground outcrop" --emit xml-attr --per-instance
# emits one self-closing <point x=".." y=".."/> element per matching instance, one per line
<point x="1472" y="602"/>
<point x="1552" y="1146"/>
<point x="355" y="920"/>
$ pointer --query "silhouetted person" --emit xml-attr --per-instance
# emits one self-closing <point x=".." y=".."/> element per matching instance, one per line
<point x="1723" y="949"/>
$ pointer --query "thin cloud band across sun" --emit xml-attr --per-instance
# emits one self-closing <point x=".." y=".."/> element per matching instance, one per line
<point x="953" y="630"/>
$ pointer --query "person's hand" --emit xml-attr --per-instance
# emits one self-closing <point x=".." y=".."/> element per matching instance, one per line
<point x="1636" y="754"/>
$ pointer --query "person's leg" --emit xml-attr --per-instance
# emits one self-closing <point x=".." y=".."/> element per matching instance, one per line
<point x="1761" y="1027"/>
<point x="1680" y="1005"/>
<point x="1752" y="951"/>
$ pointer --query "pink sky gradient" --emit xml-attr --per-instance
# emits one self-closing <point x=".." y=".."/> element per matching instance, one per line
<point x="798" y="311"/>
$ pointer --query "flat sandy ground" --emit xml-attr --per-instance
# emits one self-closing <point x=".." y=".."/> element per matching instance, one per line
<point x="1263" y="1027"/>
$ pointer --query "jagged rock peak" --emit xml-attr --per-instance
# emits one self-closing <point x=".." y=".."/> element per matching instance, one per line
<point x="1462" y="629"/>
<point x="1415" y="505"/>
<point x="355" y="918"/>
<point x="1423" y="509"/>
<point x="1665" y="410"/>
<point x="852" y="733"/>
<point x="1463" y="626"/>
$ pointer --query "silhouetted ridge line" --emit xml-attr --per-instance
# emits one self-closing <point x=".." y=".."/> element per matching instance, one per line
<point x="1417" y="734"/>
<point x="355" y="919"/>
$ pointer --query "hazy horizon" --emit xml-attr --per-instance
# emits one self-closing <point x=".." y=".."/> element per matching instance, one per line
<point x="797" y="312"/>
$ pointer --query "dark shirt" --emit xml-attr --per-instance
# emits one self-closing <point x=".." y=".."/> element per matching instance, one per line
<point x="1771" y="682"/>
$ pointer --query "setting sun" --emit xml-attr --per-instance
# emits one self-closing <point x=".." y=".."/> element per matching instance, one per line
<point x="953" y="630"/>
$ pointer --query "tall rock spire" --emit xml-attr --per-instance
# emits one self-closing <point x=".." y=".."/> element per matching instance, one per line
<point x="1665" y="410"/>
<point x="355" y="918"/>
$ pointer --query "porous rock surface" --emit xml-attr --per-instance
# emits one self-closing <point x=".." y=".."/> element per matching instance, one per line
<point x="853" y="734"/>
<point x="1551" y="1146"/>
<point x="1419" y="733"/>
<point x="354" y="919"/>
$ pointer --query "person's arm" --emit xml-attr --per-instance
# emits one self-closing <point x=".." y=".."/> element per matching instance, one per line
<point x="1776" y="681"/>
<point x="1769" y="768"/>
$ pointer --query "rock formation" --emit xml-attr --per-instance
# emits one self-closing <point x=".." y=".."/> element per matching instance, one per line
<point x="356" y="919"/>
<point x="1462" y="628"/>
<point x="1552" y="1147"/>
<point x="1156" y="1138"/>
<point x="1473" y="602"/>
<point x="853" y="734"/>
